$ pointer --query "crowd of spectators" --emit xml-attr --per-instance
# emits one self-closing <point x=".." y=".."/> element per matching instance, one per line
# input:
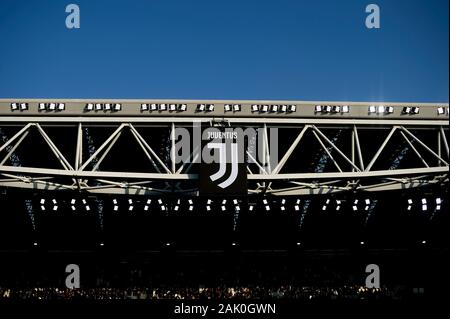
<point x="201" y="293"/>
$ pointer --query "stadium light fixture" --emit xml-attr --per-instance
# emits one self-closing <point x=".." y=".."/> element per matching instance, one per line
<point x="24" y="106"/>
<point x="117" y="107"/>
<point x="42" y="201"/>
<point x="163" y="107"/>
<point x="98" y="106"/>
<point x="415" y="110"/>
<point x="182" y="107"/>
<point x="441" y="110"/>
<point x="345" y="109"/>
<point x="318" y="108"/>
<point x="274" y="108"/>
<point x="255" y="108"/>
<point x="201" y="107"/>
<point x="381" y="109"/>
<point x="283" y="108"/>
<point x="227" y="107"/>
<point x="210" y="107"/>
<point x="144" y="107"/>
<point x="297" y="208"/>
<point x="292" y="108"/>
<point x="336" y="109"/>
<point x="372" y="109"/>
<point x="14" y="106"/>
<point x="41" y="107"/>
<point x="223" y="208"/>
<point x="107" y="107"/>
<point x="89" y="107"/>
<point x="172" y="107"/>
<point x="153" y="107"/>
<point x="389" y="110"/>
<point x="264" y="108"/>
<point x="406" y="110"/>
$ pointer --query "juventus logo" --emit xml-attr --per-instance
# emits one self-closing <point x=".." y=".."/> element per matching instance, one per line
<point x="223" y="164"/>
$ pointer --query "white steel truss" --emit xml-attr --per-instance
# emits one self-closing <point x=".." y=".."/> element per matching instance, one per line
<point x="352" y="171"/>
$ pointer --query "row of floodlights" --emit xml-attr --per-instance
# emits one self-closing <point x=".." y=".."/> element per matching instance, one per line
<point x="381" y="109"/>
<point x="163" y="107"/>
<point x="114" y="107"/>
<point x="331" y="109"/>
<point x="19" y="106"/>
<point x="274" y="108"/>
<point x="72" y="205"/>
<point x="425" y="204"/>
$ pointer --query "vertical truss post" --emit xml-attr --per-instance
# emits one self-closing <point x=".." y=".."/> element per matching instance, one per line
<point x="172" y="149"/>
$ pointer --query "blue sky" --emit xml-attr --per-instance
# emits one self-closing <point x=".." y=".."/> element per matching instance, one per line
<point x="229" y="49"/>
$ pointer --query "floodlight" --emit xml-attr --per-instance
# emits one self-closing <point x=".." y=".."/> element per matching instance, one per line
<point x="372" y="109"/>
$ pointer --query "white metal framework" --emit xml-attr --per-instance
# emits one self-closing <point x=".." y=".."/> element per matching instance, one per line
<point x="354" y="169"/>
